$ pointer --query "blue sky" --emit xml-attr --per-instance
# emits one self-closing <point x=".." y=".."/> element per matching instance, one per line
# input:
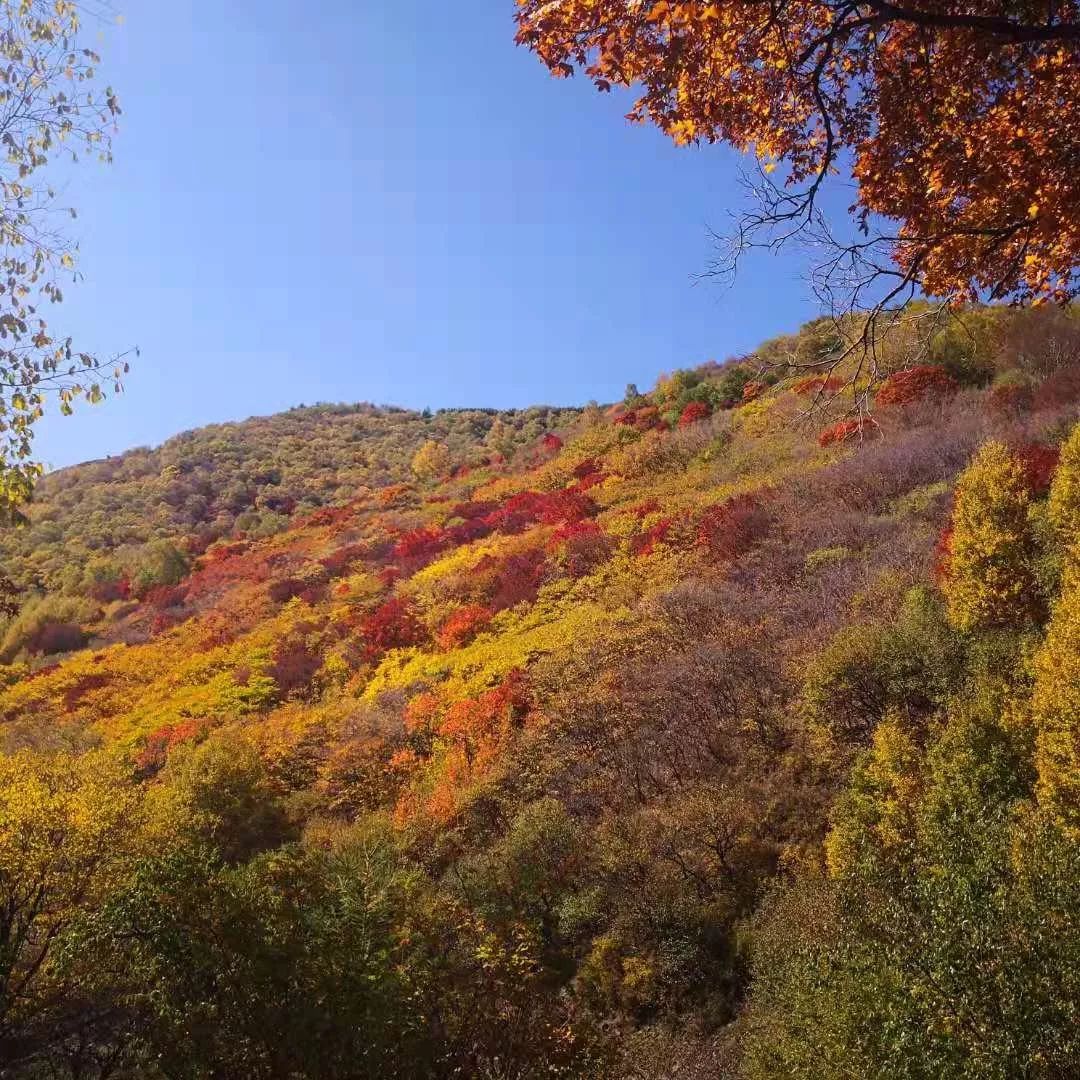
<point x="385" y="202"/>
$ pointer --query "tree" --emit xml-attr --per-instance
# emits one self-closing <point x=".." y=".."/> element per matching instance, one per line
<point x="1056" y="705"/>
<point x="48" y="112"/>
<point x="69" y="828"/>
<point x="990" y="582"/>
<point x="1064" y="503"/>
<point x="954" y="121"/>
<point x="431" y="461"/>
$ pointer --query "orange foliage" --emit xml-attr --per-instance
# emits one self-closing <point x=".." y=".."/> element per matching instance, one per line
<point x="463" y="625"/>
<point x="915" y="384"/>
<point x="958" y="119"/>
<point x="846" y="430"/>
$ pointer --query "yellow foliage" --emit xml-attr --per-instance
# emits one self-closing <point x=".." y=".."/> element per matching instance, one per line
<point x="990" y="581"/>
<point x="1056" y="705"/>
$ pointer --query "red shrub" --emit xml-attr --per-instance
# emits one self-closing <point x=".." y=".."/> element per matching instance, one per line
<point x="695" y="411"/>
<point x="817" y="384"/>
<point x="393" y="625"/>
<point x="1009" y="399"/>
<point x="463" y="625"/>
<point x="915" y="384"/>
<point x="338" y="562"/>
<point x="582" y="546"/>
<point x="107" y="591"/>
<point x="423" y="543"/>
<point x="1040" y="462"/>
<point x="846" y="430"/>
<point x="733" y="527"/>
<point x="162" y="597"/>
<point x="1061" y="388"/>
<point x="752" y="390"/>
<point x="548" y="507"/>
<point x="645" y="543"/>
<point x="517" y="578"/>
<point x="293" y="666"/>
<point x="285" y="589"/>
<point x="551" y="442"/>
<point x="943" y="554"/>
<point x="158" y="744"/>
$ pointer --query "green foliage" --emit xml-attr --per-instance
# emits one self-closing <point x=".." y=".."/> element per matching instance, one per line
<point x="946" y="942"/>
<point x="907" y="666"/>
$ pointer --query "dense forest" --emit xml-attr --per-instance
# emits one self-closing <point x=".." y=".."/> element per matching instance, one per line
<point x="727" y="730"/>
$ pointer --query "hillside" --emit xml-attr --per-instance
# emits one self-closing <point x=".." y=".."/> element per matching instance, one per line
<point x="669" y="734"/>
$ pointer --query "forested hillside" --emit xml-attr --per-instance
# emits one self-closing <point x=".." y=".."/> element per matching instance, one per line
<point x="670" y="737"/>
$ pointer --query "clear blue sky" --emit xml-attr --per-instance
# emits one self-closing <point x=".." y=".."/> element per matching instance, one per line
<point x="385" y="201"/>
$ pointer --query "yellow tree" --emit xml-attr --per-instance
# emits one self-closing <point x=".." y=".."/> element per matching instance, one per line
<point x="68" y="826"/>
<point x="990" y="583"/>
<point x="431" y="461"/>
<point x="1063" y="505"/>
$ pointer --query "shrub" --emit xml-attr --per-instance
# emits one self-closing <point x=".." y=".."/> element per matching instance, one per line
<point x="1010" y="395"/>
<point x="915" y="384"/>
<point x="693" y="412"/>
<point x="847" y="430"/>
<point x="817" y="384"/>
<point x="393" y="625"/>
<point x="463" y="625"/>
<point x="728" y="530"/>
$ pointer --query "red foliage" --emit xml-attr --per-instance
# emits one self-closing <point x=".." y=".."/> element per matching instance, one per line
<point x="551" y="442"/>
<point x="548" y="507"/>
<point x="582" y="545"/>
<point x="645" y="543"/>
<point x="107" y="591"/>
<point x="1061" y="388"/>
<point x="420" y="544"/>
<point x="915" y="384"/>
<point x="392" y="625"/>
<point x="1039" y="462"/>
<point x="163" y="597"/>
<point x="733" y="527"/>
<point x="339" y="562"/>
<point x="164" y="620"/>
<point x="463" y="625"/>
<point x="846" y="430"/>
<point x="481" y="724"/>
<point x="1009" y="399"/>
<point x="158" y="744"/>
<point x="817" y="384"/>
<point x="695" y="411"/>
<point x="293" y="666"/>
<point x="943" y="554"/>
<point x="752" y="390"/>
<point x="329" y="515"/>
<point x="516" y="579"/>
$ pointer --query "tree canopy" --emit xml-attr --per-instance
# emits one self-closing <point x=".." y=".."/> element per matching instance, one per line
<point x="956" y="122"/>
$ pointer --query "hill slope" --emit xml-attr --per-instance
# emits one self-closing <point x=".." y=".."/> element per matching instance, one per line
<point x="537" y="727"/>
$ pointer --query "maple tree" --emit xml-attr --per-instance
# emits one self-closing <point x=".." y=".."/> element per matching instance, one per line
<point x="954" y="121"/>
